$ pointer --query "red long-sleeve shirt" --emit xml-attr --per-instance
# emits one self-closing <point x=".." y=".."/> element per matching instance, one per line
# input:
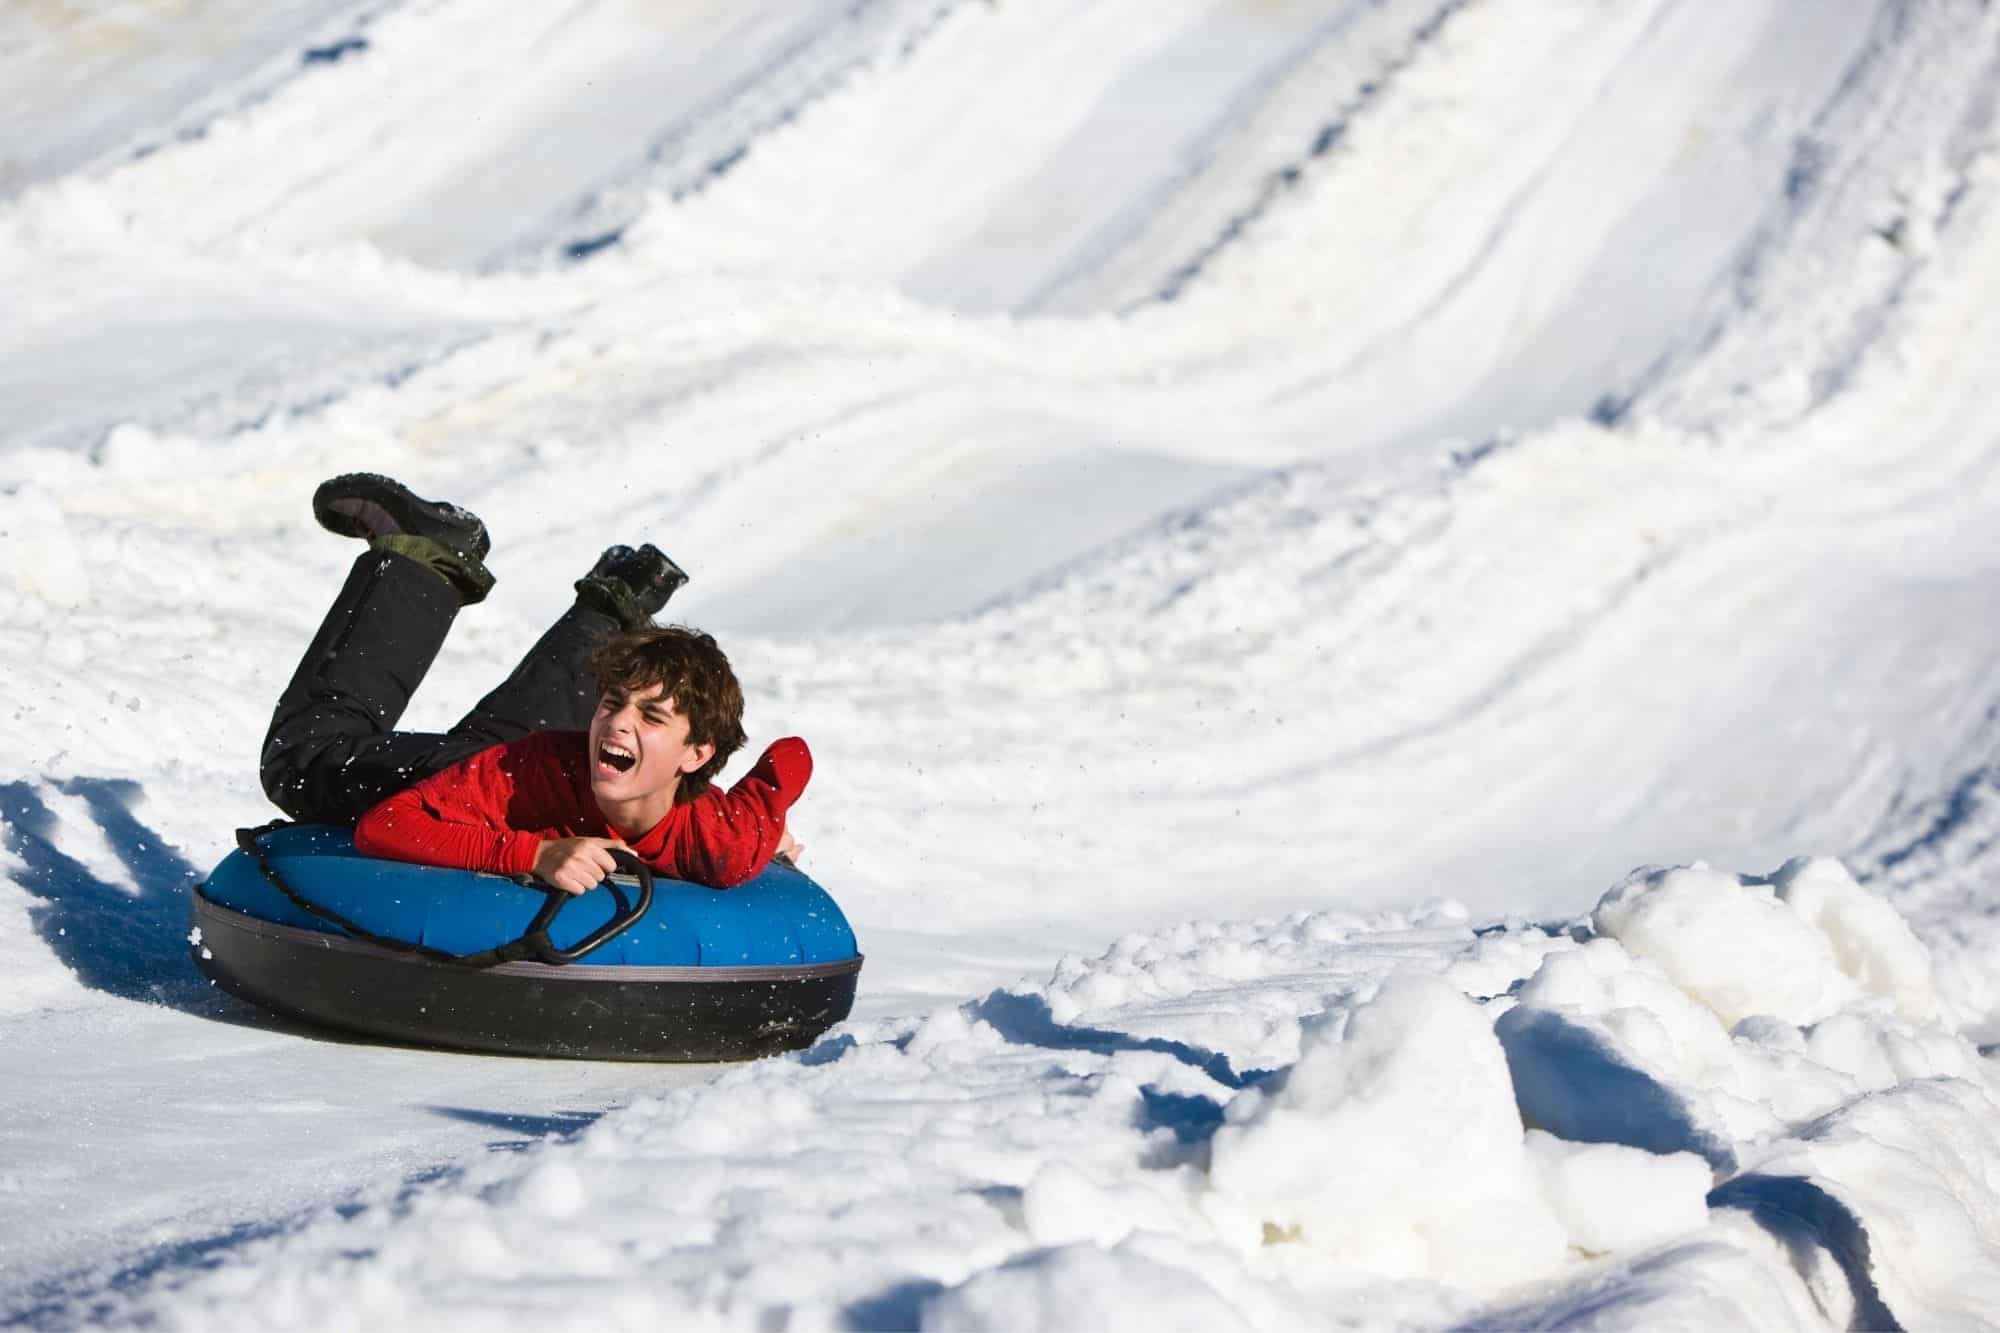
<point x="492" y="811"/>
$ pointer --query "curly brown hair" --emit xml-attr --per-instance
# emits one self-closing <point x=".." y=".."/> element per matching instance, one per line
<point x="692" y="671"/>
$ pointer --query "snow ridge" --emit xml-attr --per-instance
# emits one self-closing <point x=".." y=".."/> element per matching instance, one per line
<point x="1324" y="140"/>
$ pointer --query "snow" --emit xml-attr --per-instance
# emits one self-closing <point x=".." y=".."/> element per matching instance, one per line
<point x="1146" y="1157"/>
<point x="1323" y="1156"/>
<point x="1324" y="552"/>
<point x="1610" y="1198"/>
<point x="1801" y="946"/>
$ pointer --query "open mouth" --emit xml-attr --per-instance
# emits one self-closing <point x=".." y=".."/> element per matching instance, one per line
<point x="616" y="757"/>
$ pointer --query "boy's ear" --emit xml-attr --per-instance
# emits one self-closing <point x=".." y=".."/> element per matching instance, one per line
<point x="700" y="755"/>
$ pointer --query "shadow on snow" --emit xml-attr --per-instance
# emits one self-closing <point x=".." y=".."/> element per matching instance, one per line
<point x="1026" y="1020"/>
<point x="97" y="1294"/>
<point x="124" y="943"/>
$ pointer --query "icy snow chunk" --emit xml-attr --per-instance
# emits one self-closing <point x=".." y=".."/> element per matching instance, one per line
<point x="1914" y="1167"/>
<point x="1637" y="1004"/>
<point x="1572" y="1079"/>
<point x="1393" y="1146"/>
<point x="1494" y="962"/>
<point x="1242" y="987"/>
<point x="1878" y="1054"/>
<point x="1063" y="1204"/>
<point x="1082" y="1286"/>
<point x="61" y="215"/>
<point x="1606" y="1049"/>
<point x="1800" y="946"/>
<point x="1729" y="942"/>
<point x="130" y="450"/>
<point x="41" y="554"/>
<point x="469" y="1241"/>
<point x="1871" y="942"/>
<point x="951" y="1036"/>
<point x="1610" y="1197"/>
<point x="554" y="1190"/>
<point x="1623" y="1040"/>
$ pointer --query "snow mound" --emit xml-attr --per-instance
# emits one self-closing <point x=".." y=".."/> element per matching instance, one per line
<point x="1889" y="1204"/>
<point x="1083" y="1286"/>
<point x="1717" y="1009"/>
<point x="1101" y="1151"/>
<point x="1612" y="1199"/>
<point x="1325" y="1155"/>
<point x="1799" y="946"/>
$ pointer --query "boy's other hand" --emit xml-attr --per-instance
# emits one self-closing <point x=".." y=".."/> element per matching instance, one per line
<point x="575" y="865"/>
<point x="790" y="848"/>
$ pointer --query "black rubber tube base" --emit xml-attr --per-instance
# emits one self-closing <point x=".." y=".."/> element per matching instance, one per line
<point x="576" y="1012"/>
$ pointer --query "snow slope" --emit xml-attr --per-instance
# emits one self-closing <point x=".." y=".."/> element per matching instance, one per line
<point x="1313" y="494"/>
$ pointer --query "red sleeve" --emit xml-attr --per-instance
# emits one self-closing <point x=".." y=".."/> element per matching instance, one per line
<point x="730" y="836"/>
<point x="468" y="816"/>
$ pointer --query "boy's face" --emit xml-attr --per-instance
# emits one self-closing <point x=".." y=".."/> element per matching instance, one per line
<point x="639" y="747"/>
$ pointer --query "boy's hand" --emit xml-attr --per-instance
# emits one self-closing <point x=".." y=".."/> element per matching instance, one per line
<point x="790" y="848"/>
<point x="575" y="865"/>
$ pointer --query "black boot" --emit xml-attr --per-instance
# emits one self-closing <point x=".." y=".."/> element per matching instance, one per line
<point x="630" y="586"/>
<point x="450" y="541"/>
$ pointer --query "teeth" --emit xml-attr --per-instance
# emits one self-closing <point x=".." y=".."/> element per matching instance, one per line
<point x="618" y="750"/>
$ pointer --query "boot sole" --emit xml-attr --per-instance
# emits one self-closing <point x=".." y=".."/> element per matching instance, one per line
<point x="366" y="504"/>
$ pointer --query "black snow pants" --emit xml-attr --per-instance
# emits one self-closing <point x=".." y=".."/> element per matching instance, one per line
<point x="333" y="750"/>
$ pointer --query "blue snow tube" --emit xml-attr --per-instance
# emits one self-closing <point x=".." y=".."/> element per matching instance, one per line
<point x="298" y="921"/>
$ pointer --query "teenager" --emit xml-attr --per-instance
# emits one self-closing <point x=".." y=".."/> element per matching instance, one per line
<point x="607" y="734"/>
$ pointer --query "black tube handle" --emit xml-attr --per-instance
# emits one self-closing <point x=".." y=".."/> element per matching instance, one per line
<point x="627" y="915"/>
